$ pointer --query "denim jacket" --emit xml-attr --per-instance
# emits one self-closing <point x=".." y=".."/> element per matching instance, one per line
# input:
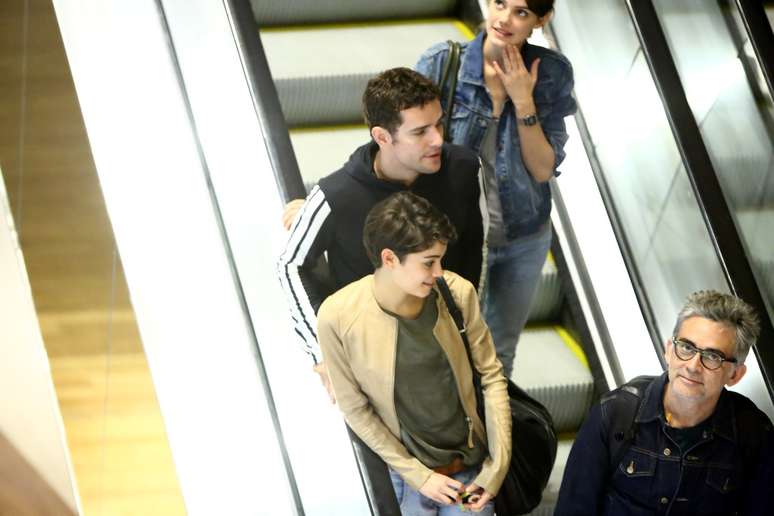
<point x="526" y="204"/>
<point x="728" y="471"/>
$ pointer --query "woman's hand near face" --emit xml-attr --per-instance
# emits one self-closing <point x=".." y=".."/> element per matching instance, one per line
<point x="441" y="489"/>
<point x="517" y="80"/>
<point x="496" y="90"/>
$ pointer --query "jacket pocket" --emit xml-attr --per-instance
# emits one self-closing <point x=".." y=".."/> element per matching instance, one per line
<point x="634" y="484"/>
<point x="637" y="464"/>
<point x="722" y="479"/>
<point x="467" y="126"/>
<point x="721" y="491"/>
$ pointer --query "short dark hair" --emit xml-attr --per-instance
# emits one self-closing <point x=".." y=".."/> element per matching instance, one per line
<point x="404" y="223"/>
<point x="392" y="91"/>
<point x="540" y="7"/>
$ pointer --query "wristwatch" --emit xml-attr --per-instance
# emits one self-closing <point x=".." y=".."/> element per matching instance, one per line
<point x="528" y="120"/>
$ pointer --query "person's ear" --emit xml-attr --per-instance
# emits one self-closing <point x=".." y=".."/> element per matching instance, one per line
<point x="389" y="258"/>
<point x="737" y="375"/>
<point x="667" y="348"/>
<point x="381" y="136"/>
<point x="543" y="20"/>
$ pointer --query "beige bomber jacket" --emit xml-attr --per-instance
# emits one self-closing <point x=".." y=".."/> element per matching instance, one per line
<point x="358" y="341"/>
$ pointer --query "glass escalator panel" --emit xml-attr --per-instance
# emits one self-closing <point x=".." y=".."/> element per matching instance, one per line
<point x="735" y="116"/>
<point x="638" y="158"/>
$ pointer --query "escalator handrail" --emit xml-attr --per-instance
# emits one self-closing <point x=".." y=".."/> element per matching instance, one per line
<point x="266" y="102"/>
<point x="761" y="36"/>
<point x="373" y="471"/>
<point x="703" y="176"/>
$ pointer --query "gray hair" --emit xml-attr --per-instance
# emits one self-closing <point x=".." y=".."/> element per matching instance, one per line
<point x="725" y="309"/>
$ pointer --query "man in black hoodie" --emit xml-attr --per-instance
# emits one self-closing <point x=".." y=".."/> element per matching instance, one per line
<point x="407" y="152"/>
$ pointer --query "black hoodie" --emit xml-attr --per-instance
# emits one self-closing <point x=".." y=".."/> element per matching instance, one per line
<point x="334" y="214"/>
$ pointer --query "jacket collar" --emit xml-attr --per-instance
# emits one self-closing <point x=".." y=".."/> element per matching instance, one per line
<point x="472" y="67"/>
<point x="652" y="408"/>
<point x="361" y="167"/>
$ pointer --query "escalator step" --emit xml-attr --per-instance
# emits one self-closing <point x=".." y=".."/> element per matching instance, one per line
<point x="271" y="12"/>
<point x="321" y="72"/>
<point x="548" y="297"/>
<point x="552" y="368"/>
<point x="323" y="150"/>
<point x="551" y="492"/>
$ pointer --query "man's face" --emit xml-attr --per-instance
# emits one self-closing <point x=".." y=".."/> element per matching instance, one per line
<point x="689" y="379"/>
<point x="417" y="273"/>
<point x="510" y="22"/>
<point x="415" y="146"/>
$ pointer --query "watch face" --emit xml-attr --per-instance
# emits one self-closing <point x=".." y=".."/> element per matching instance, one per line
<point x="529" y="120"/>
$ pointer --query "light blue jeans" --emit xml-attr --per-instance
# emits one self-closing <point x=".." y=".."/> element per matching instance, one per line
<point x="414" y="503"/>
<point x="512" y="277"/>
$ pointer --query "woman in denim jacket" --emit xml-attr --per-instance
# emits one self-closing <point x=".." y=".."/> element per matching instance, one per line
<point x="509" y="106"/>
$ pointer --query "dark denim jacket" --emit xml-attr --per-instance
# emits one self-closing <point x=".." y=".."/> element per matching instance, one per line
<point x="722" y="474"/>
<point x="526" y="204"/>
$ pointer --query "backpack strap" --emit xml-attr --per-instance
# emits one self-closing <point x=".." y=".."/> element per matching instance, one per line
<point x="448" y="84"/>
<point x="623" y="404"/>
<point x="459" y="322"/>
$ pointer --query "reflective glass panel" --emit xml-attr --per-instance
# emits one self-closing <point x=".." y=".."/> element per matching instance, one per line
<point x="734" y="111"/>
<point x="637" y="155"/>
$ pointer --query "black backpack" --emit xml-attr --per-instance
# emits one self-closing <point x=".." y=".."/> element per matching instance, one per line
<point x="625" y="402"/>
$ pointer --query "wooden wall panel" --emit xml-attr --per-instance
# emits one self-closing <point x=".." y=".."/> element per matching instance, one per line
<point x="116" y="435"/>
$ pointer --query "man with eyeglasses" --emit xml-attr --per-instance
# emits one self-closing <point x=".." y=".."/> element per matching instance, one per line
<point x="679" y="443"/>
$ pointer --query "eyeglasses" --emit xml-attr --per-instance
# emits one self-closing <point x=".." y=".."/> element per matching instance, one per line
<point x="711" y="359"/>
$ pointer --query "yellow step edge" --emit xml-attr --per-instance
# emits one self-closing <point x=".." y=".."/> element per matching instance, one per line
<point x="567" y="339"/>
<point x="573" y="346"/>
<point x="464" y="30"/>
<point x="370" y="23"/>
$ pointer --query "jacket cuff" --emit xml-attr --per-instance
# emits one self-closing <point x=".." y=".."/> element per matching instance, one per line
<point x="487" y="478"/>
<point x="416" y="477"/>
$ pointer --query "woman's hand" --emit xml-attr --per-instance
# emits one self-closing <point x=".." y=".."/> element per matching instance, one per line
<point x="517" y="80"/>
<point x="478" y="500"/>
<point x="441" y="489"/>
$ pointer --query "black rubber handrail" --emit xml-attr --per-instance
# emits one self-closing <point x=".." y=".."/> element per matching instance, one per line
<point x="702" y="175"/>
<point x="761" y="36"/>
<point x="266" y="102"/>
<point x="373" y="471"/>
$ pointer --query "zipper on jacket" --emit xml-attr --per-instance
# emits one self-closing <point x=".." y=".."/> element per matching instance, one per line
<point x="470" y="432"/>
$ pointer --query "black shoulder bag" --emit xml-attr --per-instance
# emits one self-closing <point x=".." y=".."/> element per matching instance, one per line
<point x="448" y="84"/>
<point x="532" y="434"/>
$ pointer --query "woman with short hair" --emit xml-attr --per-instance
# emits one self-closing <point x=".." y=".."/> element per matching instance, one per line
<point x="400" y="372"/>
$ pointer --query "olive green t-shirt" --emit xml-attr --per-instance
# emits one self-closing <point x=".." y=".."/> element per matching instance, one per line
<point x="433" y="425"/>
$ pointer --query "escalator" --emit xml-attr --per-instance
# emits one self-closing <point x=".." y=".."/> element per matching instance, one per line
<point x="210" y="151"/>
<point x="321" y="59"/>
<point x="688" y="183"/>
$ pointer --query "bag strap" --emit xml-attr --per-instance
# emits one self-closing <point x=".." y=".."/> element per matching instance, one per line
<point x="627" y="399"/>
<point x="459" y="322"/>
<point x="448" y="84"/>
